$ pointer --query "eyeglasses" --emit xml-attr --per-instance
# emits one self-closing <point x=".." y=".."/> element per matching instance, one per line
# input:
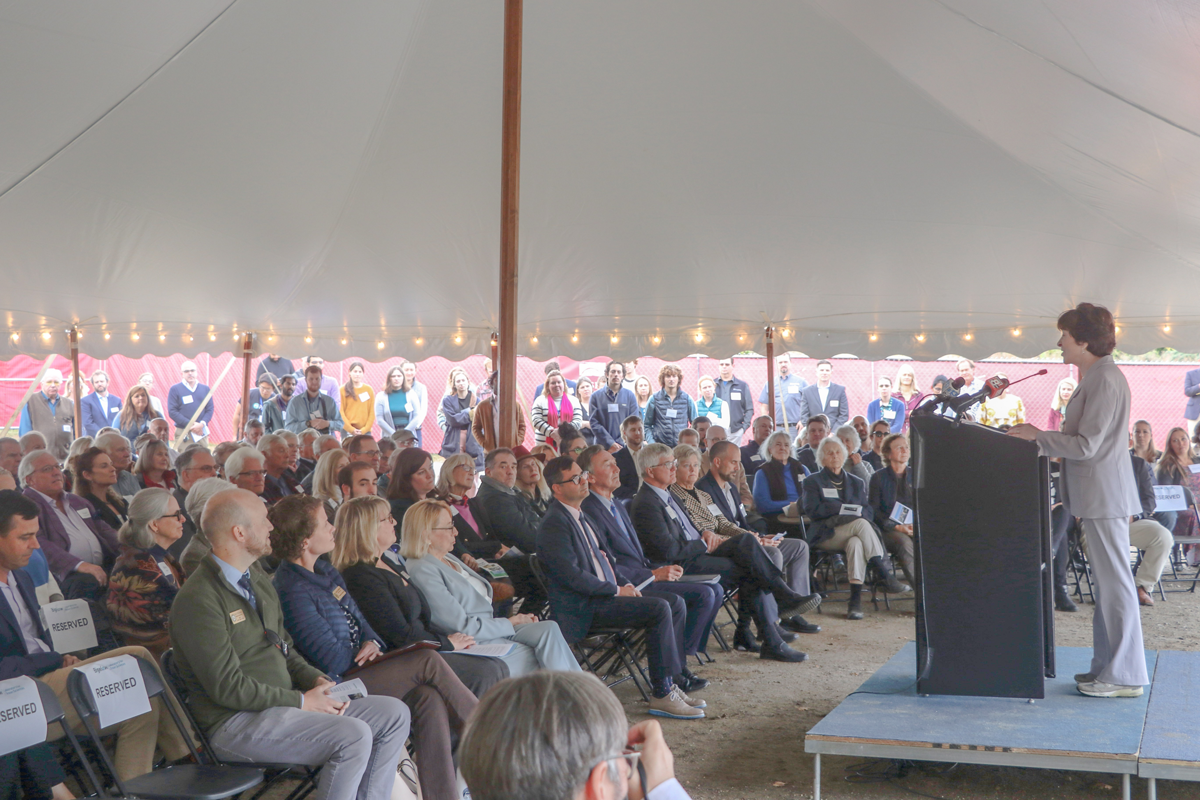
<point x="667" y="464"/>
<point x="49" y="468"/>
<point x="207" y="469"/>
<point x="276" y="640"/>
<point x="635" y="765"/>
<point x="467" y="468"/>
<point x="878" y="434"/>
<point x="253" y="473"/>
<point x="179" y="515"/>
<point x="577" y="450"/>
<point x="367" y="453"/>
<point x="575" y="479"/>
<point x="437" y="528"/>
<point x="389" y="518"/>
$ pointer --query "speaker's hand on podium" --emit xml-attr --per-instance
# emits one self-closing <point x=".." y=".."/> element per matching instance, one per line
<point x="1025" y="431"/>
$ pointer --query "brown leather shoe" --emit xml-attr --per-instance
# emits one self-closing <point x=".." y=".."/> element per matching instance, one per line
<point x="1144" y="597"/>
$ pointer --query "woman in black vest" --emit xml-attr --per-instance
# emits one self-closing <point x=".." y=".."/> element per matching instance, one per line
<point x="777" y="486"/>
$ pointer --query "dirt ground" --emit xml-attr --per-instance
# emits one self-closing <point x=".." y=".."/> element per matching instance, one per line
<point x="751" y="745"/>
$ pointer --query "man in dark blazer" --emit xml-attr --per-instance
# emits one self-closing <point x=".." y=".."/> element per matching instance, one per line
<point x="503" y="513"/>
<point x="618" y="538"/>
<point x="585" y="592"/>
<point x="100" y="409"/>
<point x="825" y="397"/>
<point x="752" y="459"/>
<point x="667" y="536"/>
<point x="634" y="433"/>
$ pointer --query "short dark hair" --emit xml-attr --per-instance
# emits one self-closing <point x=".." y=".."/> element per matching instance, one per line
<point x="882" y="422"/>
<point x="313" y="368"/>
<point x="294" y="521"/>
<point x="817" y="418"/>
<point x="632" y="418"/>
<point x="551" y="366"/>
<point x="556" y="468"/>
<point x="569" y="432"/>
<point x="609" y="366"/>
<point x="717" y="449"/>
<point x="490" y="460"/>
<point x="15" y="504"/>
<point x="345" y="476"/>
<point x="825" y="361"/>
<point x="585" y="458"/>
<point x="697" y="420"/>
<point x="1092" y="325"/>
<point x="353" y="443"/>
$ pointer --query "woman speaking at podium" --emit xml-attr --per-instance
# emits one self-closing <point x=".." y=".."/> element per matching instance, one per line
<point x="1099" y="487"/>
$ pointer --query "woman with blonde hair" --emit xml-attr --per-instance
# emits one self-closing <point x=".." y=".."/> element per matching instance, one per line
<point x="153" y="467"/>
<point x="1058" y="403"/>
<point x="461" y="601"/>
<point x="530" y="480"/>
<point x="642" y="390"/>
<point x="78" y="448"/>
<point x="1173" y="470"/>
<point x="458" y="405"/>
<point x="709" y="405"/>
<point x="393" y="605"/>
<point x="908" y="389"/>
<point x="1143" y="442"/>
<point x="456" y="487"/>
<point x="325" y="485"/>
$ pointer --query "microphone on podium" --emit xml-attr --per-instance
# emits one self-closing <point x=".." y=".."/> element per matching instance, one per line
<point x="992" y="387"/>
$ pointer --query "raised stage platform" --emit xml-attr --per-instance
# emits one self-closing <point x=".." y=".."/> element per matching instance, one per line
<point x="885" y="718"/>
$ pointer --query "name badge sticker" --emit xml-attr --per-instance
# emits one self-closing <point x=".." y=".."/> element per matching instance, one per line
<point x="408" y="407"/>
<point x="671" y="513"/>
<point x="714" y="510"/>
<point x="794" y="389"/>
<point x="735" y="395"/>
<point x="237" y="616"/>
<point x="834" y="403"/>
<point x="165" y="570"/>
<point x="364" y="396"/>
<point x="672" y="413"/>
<point x="85" y="513"/>
<point x="756" y="458"/>
<point x="338" y="593"/>
<point x="614" y="408"/>
<point x="830" y="493"/>
<point x="66" y="428"/>
<point x="187" y="399"/>
<point x="889" y="414"/>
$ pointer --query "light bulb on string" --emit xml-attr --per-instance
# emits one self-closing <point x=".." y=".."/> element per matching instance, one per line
<point x="107" y="336"/>
<point x="1166" y="328"/>
<point x="419" y="340"/>
<point x="46" y="335"/>
<point x="1016" y="331"/>
<point x="874" y="337"/>
<point x="968" y="336"/>
<point x="920" y="337"/>
<point x="135" y="336"/>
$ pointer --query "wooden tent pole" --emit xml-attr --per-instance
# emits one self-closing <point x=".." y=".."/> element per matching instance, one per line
<point x="510" y="180"/>
<point x="247" y="357"/>
<point x="76" y="394"/>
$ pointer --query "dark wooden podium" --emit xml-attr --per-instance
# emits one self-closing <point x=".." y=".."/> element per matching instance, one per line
<point x="985" y="623"/>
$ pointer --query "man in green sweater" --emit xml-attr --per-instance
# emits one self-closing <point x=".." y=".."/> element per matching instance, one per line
<point x="256" y="698"/>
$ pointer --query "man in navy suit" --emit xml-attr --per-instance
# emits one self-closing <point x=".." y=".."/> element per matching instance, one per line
<point x="100" y="409"/>
<point x="586" y="593"/>
<point x="825" y="397"/>
<point x="618" y="538"/>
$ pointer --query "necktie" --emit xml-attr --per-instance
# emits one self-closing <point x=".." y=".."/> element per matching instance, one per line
<point x="689" y="530"/>
<point x="621" y="524"/>
<point x="244" y="582"/>
<point x="599" y="562"/>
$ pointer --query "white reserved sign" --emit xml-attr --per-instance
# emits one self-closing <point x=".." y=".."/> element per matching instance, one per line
<point x="117" y="689"/>
<point x="901" y="514"/>
<point x="22" y="718"/>
<point x="70" y="625"/>
<point x="1169" y="498"/>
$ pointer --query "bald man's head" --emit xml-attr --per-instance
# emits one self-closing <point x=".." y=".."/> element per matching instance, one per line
<point x="236" y="520"/>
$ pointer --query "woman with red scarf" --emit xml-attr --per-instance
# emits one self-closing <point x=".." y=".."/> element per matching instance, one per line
<point x="552" y="408"/>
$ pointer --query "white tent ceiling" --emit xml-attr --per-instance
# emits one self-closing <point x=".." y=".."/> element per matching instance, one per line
<point x="846" y="169"/>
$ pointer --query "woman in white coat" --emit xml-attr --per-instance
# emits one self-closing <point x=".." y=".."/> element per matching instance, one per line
<point x="461" y="602"/>
<point x="1099" y="487"/>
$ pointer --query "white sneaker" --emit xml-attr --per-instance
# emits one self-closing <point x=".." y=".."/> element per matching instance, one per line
<point x="694" y="702"/>
<point x="1101" y="689"/>
<point x="674" y="706"/>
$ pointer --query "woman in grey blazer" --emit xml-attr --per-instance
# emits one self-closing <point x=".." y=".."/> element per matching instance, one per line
<point x="461" y="602"/>
<point x="1099" y="487"/>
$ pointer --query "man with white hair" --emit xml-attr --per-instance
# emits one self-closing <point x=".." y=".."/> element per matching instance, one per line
<point x="100" y="408"/>
<point x="117" y="448"/>
<point x="159" y="429"/>
<point x="252" y="432"/>
<point x="246" y="470"/>
<point x="279" y="480"/>
<point x="193" y="465"/>
<point x="50" y="414"/>
<point x="10" y="455"/>
<point x="184" y="399"/>
<point x="32" y="441"/>
<point x="251" y="692"/>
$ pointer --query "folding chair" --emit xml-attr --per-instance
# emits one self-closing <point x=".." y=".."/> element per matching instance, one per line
<point x="197" y="781"/>
<point x="606" y="651"/>
<point x="275" y="772"/>
<point x="55" y="715"/>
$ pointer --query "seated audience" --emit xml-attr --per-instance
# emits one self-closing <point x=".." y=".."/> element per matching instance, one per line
<point x="244" y="469"/>
<point x="752" y="457"/>
<point x="810" y="436"/>
<point x="1148" y="535"/>
<point x="855" y="464"/>
<point x="1173" y="470"/>
<point x="552" y="408"/>
<point x="701" y="425"/>
<point x="363" y="448"/>
<point x="585" y="592"/>
<point x="610" y="405"/>
<point x="280" y="481"/>
<point x="120" y="450"/>
<point x="562" y="736"/>
<point x="367" y="555"/>
<point x="95" y="478"/>
<point x="252" y="432"/>
<point x="1058" y="404"/>
<point x="634" y="434"/>
<point x="572" y="440"/>
<point x="325" y="480"/>
<point x="32" y="441"/>
<point x="333" y="635"/>
<point x="199" y="547"/>
<point x="835" y="528"/>
<point x="872" y="453"/>
<point x="887" y="408"/>
<point x="153" y="467"/>
<point x="10" y="456"/>
<point x="1143" y="442"/>
<point x="530" y="481"/>
<point x="221" y="454"/>
<point x="78" y="447"/>
<point x="306" y="459"/>
<point x="461" y="602"/>
<point x="194" y="464"/>
<point x="250" y="690"/>
<point x="387" y="447"/>
<point x="670" y="410"/>
<point x="25" y="649"/>
<point x="356" y="479"/>
<point x="323" y="444"/>
<point x="778" y="485"/>
<point x="887" y="487"/>
<point x="146" y="578"/>
<point x="357" y="402"/>
<point x="456" y="488"/>
<point x="619" y="540"/>
<point x="668" y="537"/>
<point x="412" y="480"/>
<point x="79" y="546"/>
<point x="690" y="437"/>
<point x="506" y="516"/>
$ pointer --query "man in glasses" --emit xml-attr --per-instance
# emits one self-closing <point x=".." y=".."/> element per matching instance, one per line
<point x="194" y="464"/>
<point x="244" y="469"/>
<point x="251" y="691"/>
<point x="669" y="537"/>
<point x="586" y="592"/>
<point x="508" y="751"/>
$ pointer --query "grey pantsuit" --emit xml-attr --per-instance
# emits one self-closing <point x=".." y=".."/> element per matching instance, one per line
<point x="1099" y="487"/>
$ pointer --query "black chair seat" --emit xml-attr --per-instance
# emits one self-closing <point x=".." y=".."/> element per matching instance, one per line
<point x="194" y="781"/>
